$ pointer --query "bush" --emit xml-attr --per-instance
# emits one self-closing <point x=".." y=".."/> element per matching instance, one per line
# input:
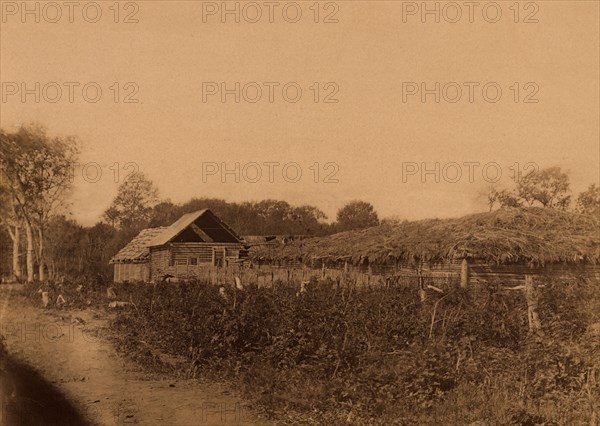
<point x="377" y="355"/>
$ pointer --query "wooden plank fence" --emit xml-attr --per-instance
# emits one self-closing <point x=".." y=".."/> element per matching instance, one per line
<point x="463" y="273"/>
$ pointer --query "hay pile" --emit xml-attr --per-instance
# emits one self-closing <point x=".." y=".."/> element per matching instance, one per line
<point x="535" y="236"/>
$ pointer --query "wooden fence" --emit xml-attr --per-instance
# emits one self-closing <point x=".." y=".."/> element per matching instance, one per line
<point x="462" y="272"/>
<point x="425" y="278"/>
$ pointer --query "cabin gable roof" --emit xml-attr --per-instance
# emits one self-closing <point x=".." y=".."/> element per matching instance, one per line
<point x="201" y="225"/>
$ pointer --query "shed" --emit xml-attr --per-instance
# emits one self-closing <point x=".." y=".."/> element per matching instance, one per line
<point x="194" y="242"/>
<point x="132" y="261"/>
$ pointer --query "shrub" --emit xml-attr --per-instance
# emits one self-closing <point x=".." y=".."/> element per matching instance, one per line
<point x="377" y="355"/>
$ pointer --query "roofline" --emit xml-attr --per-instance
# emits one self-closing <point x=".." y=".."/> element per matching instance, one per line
<point x="224" y="225"/>
<point x="115" y="259"/>
<point x="197" y="214"/>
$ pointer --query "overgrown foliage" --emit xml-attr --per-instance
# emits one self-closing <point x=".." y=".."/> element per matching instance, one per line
<point x="548" y="188"/>
<point x="132" y="207"/>
<point x="356" y="215"/>
<point x="588" y="202"/>
<point x="35" y="179"/>
<point x="338" y="354"/>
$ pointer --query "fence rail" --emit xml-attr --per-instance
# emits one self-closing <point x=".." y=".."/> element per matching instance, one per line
<point x="265" y="275"/>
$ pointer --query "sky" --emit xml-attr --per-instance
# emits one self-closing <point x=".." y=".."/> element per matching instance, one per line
<point x="348" y="101"/>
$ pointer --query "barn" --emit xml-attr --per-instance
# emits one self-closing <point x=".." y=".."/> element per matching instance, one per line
<point x="183" y="250"/>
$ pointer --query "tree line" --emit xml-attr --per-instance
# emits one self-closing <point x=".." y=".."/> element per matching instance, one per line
<point x="548" y="188"/>
<point x="44" y="241"/>
<point x="35" y="180"/>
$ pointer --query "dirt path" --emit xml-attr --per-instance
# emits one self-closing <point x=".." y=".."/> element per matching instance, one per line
<point x="65" y="348"/>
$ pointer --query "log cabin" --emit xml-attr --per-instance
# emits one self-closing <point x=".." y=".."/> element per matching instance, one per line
<point x="196" y="241"/>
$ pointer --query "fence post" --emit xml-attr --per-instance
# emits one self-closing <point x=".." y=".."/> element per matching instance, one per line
<point x="422" y="292"/>
<point x="464" y="274"/>
<point x="532" y="297"/>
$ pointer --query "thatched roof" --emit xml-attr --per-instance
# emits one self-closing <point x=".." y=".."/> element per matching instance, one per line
<point x="137" y="251"/>
<point x="271" y="239"/>
<point x="533" y="235"/>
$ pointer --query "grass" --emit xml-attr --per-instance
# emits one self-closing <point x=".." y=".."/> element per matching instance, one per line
<point x="338" y="354"/>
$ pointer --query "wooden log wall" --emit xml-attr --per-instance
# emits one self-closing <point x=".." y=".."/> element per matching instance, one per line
<point x="131" y="272"/>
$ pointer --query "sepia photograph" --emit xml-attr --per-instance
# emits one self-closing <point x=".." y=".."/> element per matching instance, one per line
<point x="299" y="213"/>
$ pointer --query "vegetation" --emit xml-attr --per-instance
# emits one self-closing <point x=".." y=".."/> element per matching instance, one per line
<point x="529" y="235"/>
<point x="548" y="188"/>
<point x="339" y="354"/>
<point x="356" y="215"/>
<point x="588" y="202"/>
<point x="36" y="178"/>
<point x="327" y="351"/>
<point x="132" y="207"/>
<point x="38" y="239"/>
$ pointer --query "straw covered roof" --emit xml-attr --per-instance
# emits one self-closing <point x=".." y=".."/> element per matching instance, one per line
<point x="137" y="250"/>
<point x="534" y="236"/>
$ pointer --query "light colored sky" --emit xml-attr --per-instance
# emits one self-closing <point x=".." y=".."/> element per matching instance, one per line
<point x="370" y="133"/>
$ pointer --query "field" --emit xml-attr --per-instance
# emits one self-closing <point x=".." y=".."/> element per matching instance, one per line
<point x="338" y="353"/>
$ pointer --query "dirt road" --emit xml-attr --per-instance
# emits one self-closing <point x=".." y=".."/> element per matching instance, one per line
<point x="67" y="373"/>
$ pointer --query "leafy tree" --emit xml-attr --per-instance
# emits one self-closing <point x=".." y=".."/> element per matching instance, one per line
<point x="164" y="214"/>
<point x="111" y="216"/>
<point x="504" y="198"/>
<point x="132" y="207"/>
<point x="548" y="187"/>
<point x="588" y="202"/>
<point x="357" y="215"/>
<point x="38" y="171"/>
<point x="266" y="217"/>
<point x="309" y="220"/>
<point x="65" y="246"/>
<point x="272" y="215"/>
<point x="12" y="222"/>
<point x="101" y="243"/>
